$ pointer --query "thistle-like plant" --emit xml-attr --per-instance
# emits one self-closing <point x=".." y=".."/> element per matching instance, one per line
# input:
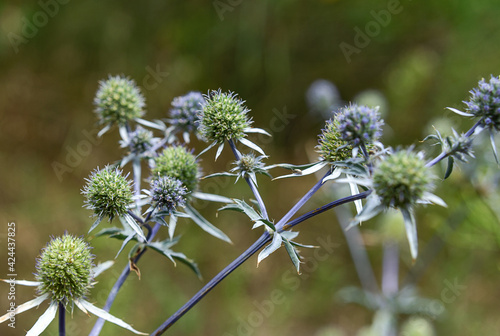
<point x="184" y="113"/>
<point x="65" y="274"/>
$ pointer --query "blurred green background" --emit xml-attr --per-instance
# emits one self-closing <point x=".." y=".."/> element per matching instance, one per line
<point x="427" y="57"/>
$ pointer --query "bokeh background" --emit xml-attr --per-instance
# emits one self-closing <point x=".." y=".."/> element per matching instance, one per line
<point x="427" y="57"/>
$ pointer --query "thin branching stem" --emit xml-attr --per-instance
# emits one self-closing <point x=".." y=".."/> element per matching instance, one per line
<point x="264" y="239"/>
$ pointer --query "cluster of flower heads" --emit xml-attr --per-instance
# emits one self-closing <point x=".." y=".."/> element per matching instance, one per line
<point x="168" y="193"/>
<point x="359" y="124"/>
<point x="64" y="269"/>
<point x="177" y="162"/>
<point x="118" y="101"/>
<point x="223" y="117"/>
<point x="185" y="110"/>
<point x="485" y="102"/>
<point x="108" y="193"/>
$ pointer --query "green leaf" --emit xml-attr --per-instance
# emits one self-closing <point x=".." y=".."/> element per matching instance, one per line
<point x="205" y="225"/>
<point x="212" y="197"/>
<point x="411" y="231"/>
<point x="449" y="169"/>
<point x="294" y="256"/>
<point x="273" y="246"/>
<point x="219" y="174"/>
<point x="164" y="246"/>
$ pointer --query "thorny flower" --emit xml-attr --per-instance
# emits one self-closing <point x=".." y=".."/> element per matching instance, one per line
<point x="118" y="101"/>
<point x="359" y="125"/>
<point x="184" y="113"/>
<point x="65" y="274"/>
<point x="139" y="141"/>
<point x="179" y="163"/>
<point x="331" y="146"/>
<point x="167" y="193"/>
<point x="484" y="102"/>
<point x="248" y="165"/>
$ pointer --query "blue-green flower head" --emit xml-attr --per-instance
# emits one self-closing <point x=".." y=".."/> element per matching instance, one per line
<point x="140" y="140"/>
<point x="249" y="163"/>
<point x="485" y="102"/>
<point x="168" y="193"/>
<point x="402" y="179"/>
<point x="107" y="192"/>
<point x="64" y="269"/>
<point x="359" y="124"/>
<point x="223" y="117"/>
<point x="331" y="146"/>
<point x="118" y="101"/>
<point x="185" y="110"/>
<point x="177" y="162"/>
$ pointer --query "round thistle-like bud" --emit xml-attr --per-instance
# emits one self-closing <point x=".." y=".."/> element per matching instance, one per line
<point x="168" y="192"/>
<point x="485" y="102"/>
<point x="118" y="100"/>
<point x="178" y="162"/>
<point x="64" y="269"/>
<point x="322" y="97"/>
<point x="140" y="140"/>
<point x="223" y="117"/>
<point x="107" y="192"/>
<point x="359" y="124"/>
<point x="249" y="163"/>
<point x="185" y="110"/>
<point x="332" y="147"/>
<point x="402" y="179"/>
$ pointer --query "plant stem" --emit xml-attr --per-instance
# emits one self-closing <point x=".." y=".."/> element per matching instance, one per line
<point x="265" y="238"/>
<point x="62" y="319"/>
<point x="118" y="284"/>
<point x="390" y="268"/>
<point x="253" y="187"/>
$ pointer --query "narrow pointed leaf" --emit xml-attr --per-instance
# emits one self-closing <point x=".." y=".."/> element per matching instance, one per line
<point x="43" y="321"/>
<point x="206" y="225"/>
<point x="212" y="197"/>
<point x="293" y="255"/>
<point x="335" y="174"/>
<point x="123" y="133"/>
<point x="273" y="246"/>
<point x="465" y="114"/>
<point x="97" y="221"/>
<point x="104" y="130"/>
<point x="291" y="166"/>
<point x="101" y="267"/>
<point x="256" y="130"/>
<point x="157" y="125"/>
<point x="449" y="168"/>
<point x="311" y="170"/>
<point x="25" y="306"/>
<point x="107" y="316"/>
<point x="253" y="146"/>
<point x="131" y="222"/>
<point x="22" y="282"/>
<point x="219" y="174"/>
<point x="411" y="231"/>
<point x="289" y="235"/>
<point x="493" y="145"/>
<point x="172" y="223"/>
<point x="206" y="149"/>
<point x="434" y="199"/>
<point x="219" y="151"/>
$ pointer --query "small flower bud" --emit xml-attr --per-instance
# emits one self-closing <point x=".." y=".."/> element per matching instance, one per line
<point x="64" y="269"/>
<point x="179" y="163"/>
<point x="168" y="193"/>
<point x="185" y="111"/>
<point x="359" y="124"/>
<point x="107" y="192"/>
<point x="402" y="179"/>
<point x="248" y="164"/>
<point x="485" y="102"/>
<point x="223" y="117"/>
<point x="140" y="141"/>
<point x="118" y="101"/>
<point x="332" y="147"/>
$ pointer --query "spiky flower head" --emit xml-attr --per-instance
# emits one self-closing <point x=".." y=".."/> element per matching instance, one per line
<point x="107" y="192"/>
<point x="359" y="124"/>
<point x="249" y="163"/>
<point x="185" y="110"/>
<point x="118" y="100"/>
<point x="402" y="179"/>
<point x="179" y="163"/>
<point x="223" y="117"/>
<point x="485" y="102"/>
<point x="140" y="140"/>
<point x="332" y="147"/>
<point x="168" y="193"/>
<point x="64" y="269"/>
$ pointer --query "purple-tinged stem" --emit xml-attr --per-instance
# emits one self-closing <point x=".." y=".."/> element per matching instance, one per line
<point x="62" y="319"/>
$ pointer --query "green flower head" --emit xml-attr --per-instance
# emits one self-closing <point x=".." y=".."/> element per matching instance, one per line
<point x="118" y="100"/>
<point x="64" y="269"/>
<point x="223" y="117"/>
<point x="332" y="147"/>
<point x="402" y="179"/>
<point x="107" y="192"/>
<point x="179" y="163"/>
